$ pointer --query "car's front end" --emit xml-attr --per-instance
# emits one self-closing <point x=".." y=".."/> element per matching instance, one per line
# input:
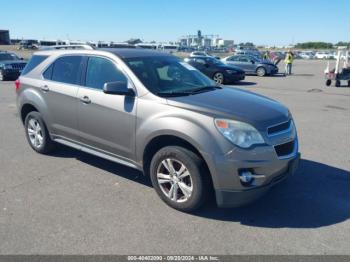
<point x="257" y="143"/>
<point x="246" y="173"/>
<point x="233" y="74"/>
<point x="271" y="69"/>
<point x="11" y="69"/>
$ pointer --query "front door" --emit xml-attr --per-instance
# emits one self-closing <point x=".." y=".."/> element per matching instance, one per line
<point x="106" y="122"/>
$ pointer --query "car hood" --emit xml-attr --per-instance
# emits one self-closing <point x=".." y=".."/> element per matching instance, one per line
<point x="6" y="62"/>
<point x="266" y="62"/>
<point x="237" y="104"/>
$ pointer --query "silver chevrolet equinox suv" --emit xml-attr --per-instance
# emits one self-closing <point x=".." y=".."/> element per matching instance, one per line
<point x="150" y="111"/>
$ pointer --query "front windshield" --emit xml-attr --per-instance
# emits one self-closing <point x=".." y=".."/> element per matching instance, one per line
<point x="167" y="75"/>
<point x="8" y="56"/>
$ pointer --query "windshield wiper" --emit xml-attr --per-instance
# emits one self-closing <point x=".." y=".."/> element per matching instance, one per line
<point x="205" y="89"/>
<point x="173" y="93"/>
<point x="188" y="92"/>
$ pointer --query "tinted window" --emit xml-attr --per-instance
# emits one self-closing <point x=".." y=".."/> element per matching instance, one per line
<point x="33" y="62"/>
<point x="67" y="69"/>
<point x="48" y="72"/>
<point x="167" y="74"/>
<point x="244" y="59"/>
<point x="101" y="71"/>
<point x="233" y="58"/>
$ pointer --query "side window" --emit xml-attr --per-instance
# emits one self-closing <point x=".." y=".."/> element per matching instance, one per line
<point x="200" y="61"/>
<point x="233" y="58"/>
<point x="48" y="72"/>
<point x="243" y="59"/>
<point x="33" y="62"/>
<point x="67" y="69"/>
<point x="100" y="71"/>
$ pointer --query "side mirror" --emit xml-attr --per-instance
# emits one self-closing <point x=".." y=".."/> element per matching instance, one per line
<point x="253" y="62"/>
<point x="206" y="65"/>
<point x="118" y="88"/>
<point x="21" y="58"/>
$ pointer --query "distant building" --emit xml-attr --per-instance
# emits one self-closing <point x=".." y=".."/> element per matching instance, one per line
<point x="5" y="37"/>
<point x="204" y="41"/>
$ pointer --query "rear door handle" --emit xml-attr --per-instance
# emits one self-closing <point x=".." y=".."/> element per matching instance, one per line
<point x="45" y="88"/>
<point x="85" y="100"/>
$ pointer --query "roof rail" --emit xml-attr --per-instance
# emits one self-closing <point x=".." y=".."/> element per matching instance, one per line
<point x="66" y="47"/>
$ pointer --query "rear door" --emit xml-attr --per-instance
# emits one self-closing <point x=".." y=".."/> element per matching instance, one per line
<point x="59" y="90"/>
<point x="246" y="64"/>
<point x="106" y="122"/>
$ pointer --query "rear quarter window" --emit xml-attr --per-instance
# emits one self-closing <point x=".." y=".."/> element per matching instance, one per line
<point x="67" y="69"/>
<point x="33" y="62"/>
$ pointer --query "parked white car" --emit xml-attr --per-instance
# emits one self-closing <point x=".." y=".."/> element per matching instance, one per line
<point x="199" y="53"/>
<point x="324" y="55"/>
<point x="307" y="55"/>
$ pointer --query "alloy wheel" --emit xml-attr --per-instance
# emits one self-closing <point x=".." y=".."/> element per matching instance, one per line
<point x="35" y="133"/>
<point x="174" y="180"/>
<point x="218" y="78"/>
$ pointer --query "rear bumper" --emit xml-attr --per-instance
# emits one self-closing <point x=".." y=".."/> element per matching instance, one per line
<point x="230" y="198"/>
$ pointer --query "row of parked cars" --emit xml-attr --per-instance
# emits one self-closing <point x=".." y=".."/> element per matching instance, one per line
<point x="232" y="68"/>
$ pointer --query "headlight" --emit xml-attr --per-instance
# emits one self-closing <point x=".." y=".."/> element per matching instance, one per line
<point x="239" y="133"/>
<point x="231" y="72"/>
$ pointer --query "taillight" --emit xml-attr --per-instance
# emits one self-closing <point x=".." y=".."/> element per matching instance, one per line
<point x="17" y="84"/>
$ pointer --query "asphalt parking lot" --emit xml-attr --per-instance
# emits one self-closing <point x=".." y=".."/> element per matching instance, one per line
<point x="74" y="203"/>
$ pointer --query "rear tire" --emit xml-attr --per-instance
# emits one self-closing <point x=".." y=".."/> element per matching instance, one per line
<point x="328" y="82"/>
<point x="37" y="135"/>
<point x="260" y="71"/>
<point x="180" y="178"/>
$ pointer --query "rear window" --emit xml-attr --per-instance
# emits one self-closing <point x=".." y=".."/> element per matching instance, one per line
<point x="67" y="69"/>
<point x="33" y="62"/>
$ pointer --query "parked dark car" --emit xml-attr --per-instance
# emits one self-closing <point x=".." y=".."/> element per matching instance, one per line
<point x="11" y="66"/>
<point x="216" y="70"/>
<point x="252" y="65"/>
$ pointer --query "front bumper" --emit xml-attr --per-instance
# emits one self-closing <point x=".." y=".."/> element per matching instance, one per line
<point x="11" y="73"/>
<point x="236" y="198"/>
<point x="231" y="78"/>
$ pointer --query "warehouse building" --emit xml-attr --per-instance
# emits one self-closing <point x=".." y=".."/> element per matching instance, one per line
<point x="5" y="37"/>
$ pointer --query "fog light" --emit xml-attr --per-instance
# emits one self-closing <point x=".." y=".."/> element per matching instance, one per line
<point x="246" y="177"/>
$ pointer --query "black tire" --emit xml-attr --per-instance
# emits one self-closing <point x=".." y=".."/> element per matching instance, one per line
<point x="349" y="83"/>
<point x="47" y="145"/>
<point x="328" y="82"/>
<point x="199" y="177"/>
<point x="260" y="71"/>
<point x="337" y="83"/>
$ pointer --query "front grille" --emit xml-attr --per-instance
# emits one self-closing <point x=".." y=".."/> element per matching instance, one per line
<point x="285" y="149"/>
<point x="278" y="128"/>
<point x="18" y="66"/>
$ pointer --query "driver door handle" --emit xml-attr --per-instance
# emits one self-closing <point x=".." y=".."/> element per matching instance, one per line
<point x="85" y="100"/>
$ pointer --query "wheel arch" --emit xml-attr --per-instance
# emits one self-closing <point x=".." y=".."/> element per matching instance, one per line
<point x="161" y="141"/>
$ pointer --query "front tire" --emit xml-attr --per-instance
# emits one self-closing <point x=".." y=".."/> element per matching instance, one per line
<point x="260" y="71"/>
<point x="179" y="177"/>
<point x="219" y="78"/>
<point x="337" y="83"/>
<point x="37" y="135"/>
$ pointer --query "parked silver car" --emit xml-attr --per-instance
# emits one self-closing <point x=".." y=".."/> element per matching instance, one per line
<point x="150" y="111"/>
<point x="252" y="65"/>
